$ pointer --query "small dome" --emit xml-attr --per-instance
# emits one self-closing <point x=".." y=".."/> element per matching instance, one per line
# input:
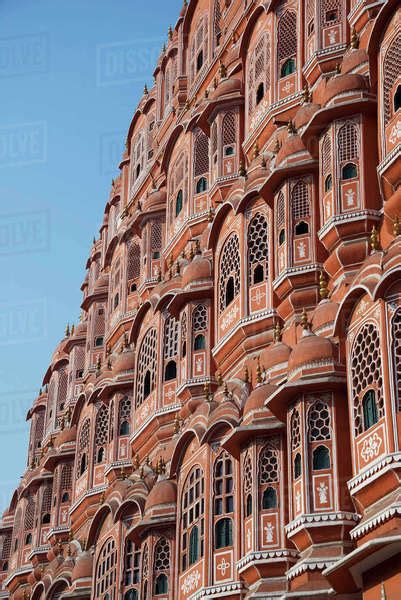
<point x="325" y="314"/>
<point x="155" y="201"/>
<point x="256" y="400"/>
<point x="101" y="282"/>
<point x="274" y="355"/>
<point x="199" y="269"/>
<point x="124" y="361"/>
<point x="83" y="566"/>
<point x="164" y="492"/>
<point x="311" y="348"/>
<point x="305" y="113"/>
<point x="80" y="329"/>
<point x="229" y="85"/>
<point x="353" y="58"/>
<point x="69" y="434"/>
<point x="291" y="145"/>
<point x="340" y="84"/>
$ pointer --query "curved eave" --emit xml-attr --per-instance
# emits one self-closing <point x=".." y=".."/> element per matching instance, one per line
<point x="182" y="297"/>
<point x="278" y="175"/>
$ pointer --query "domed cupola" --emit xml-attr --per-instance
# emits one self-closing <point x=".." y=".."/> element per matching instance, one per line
<point x="292" y="148"/>
<point x="83" y="567"/>
<point x="255" y="408"/>
<point x="162" y="499"/>
<point x="325" y="312"/>
<point x="344" y="84"/>
<point x="124" y="362"/>
<point x="197" y="273"/>
<point x="306" y="110"/>
<point x="275" y="358"/>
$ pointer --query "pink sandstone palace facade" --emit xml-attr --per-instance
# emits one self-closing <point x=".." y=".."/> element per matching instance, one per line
<point x="225" y="419"/>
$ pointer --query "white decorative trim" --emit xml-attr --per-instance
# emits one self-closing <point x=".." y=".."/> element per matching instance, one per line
<point x="395" y="153"/>
<point x="17" y="572"/>
<point x="348" y="218"/>
<point x="262" y="556"/>
<point x="375" y="470"/>
<point x="378" y="519"/>
<point x="321" y="519"/>
<point x="160" y="411"/>
<point x="251" y="318"/>
<point x="309" y="565"/>
<point x="87" y="494"/>
<point x="38" y="550"/>
<point x="217" y="591"/>
<point x="313" y="364"/>
<point x="296" y="271"/>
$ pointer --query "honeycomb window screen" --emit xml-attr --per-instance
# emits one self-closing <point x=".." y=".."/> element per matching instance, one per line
<point x="396" y="346"/>
<point x="229" y="129"/>
<point x="319" y="422"/>
<point x="6" y="547"/>
<point x="145" y="562"/>
<point x="258" y="248"/>
<point x="29" y="518"/>
<point x="66" y="478"/>
<point x="171" y="328"/>
<point x="217" y="23"/>
<point x="295" y="430"/>
<point x="106" y="572"/>
<point x="201" y="153"/>
<point x="124" y="414"/>
<point x="258" y="71"/>
<point x="101" y="432"/>
<point x="286" y="36"/>
<point x="366" y="370"/>
<point x="39" y="429"/>
<point x="269" y="464"/>
<point x="156" y="237"/>
<point x="162" y="556"/>
<point x="348" y="142"/>
<point x="230" y="268"/>
<point x="46" y="500"/>
<point x="331" y="12"/>
<point x="147" y="366"/>
<point x="391" y="72"/>
<point x="83" y="447"/>
<point x="199" y="318"/>
<point x="192" y="516"/>
<point x="199" y="48"/>
<point x="133" y="260"/>
<point x="326" y="155"/>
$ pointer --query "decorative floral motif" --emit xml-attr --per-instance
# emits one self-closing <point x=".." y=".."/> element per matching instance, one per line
<point x="395" y="133"/>
<point x="191" y="582"/>
<point x="371" y="447"/>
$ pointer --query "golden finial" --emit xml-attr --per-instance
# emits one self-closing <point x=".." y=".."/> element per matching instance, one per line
<point x="147" y="461"/>
<point x="164" y="47"/>
<point x="242" y="169"/>
<point x="223" y="71"/>
<point x="177" y="268"/>
<point x="259" y="372"/>
<point x="234" y="38"/>
<point x="374" y="239"/>
<point x="98" y="363"/>
<point x="278" y="332"/>
<point x="177" y="424"/>
<point x="206" y="93"/>
<point x="255" y="150"/>
<point x="102" y="498"/>
<point x="171" y="261"/>
<point x="185" y="3"/>
<point x="306" y="94"/>
<point x="108" y="350"/>
<point x="62" y="423"/>
<point x="137" y="464"/>
<point x="170" y="33"/>
<point x="246" y="375"/>
<point x="142" y="473"/>
<point x="109" y="364"/>
<point x="225" y="388"/>
<point x="40" y="391"/>
<point x="206" y="389"/>
<point x="277" y="146"/>
<point x="338" y="68"/>
<point x="187" y="104"/>
<point x="69" y="550"/>
<point x="197" y="247"/>
<point x="219" y="378"/>
<point x="145" y="90"/>
<point x="323" y="288"/>
<point x="157" y="468"/>
<point x="263" y="164"/>
<point x="291" y="128"/>
<point x="210" y="216"/>
<point x="67" y="330"/>
<point x="396" y="227"/>
<point x="304" y="320"/>
<point x="183" y="254"/>
<point x="72" y="329"/>
<point x="354" y="39"/>
<point x="191" y="252"/>
<point x="159" y="275"/>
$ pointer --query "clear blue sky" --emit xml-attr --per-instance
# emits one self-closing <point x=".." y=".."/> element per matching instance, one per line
<point x="71" y="74"/>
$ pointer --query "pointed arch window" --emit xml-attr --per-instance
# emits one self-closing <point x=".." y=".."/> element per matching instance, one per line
<point x="124" y="416"/>
<point x="106" y="572"/>
<point x="396" y="352"/>
<point x="258" y="248"/>
<point x="321" y="458"/>
<point x="147" y="366"/>
<point x="161" y="566"/>
<point x="300" y="206"/>
<point x="199" y="326"/>
<point x="101" y="433"/>
<point x="391" y="72"/>
<point x="287" y="43"/>
<point x="230" y="272"/>
<point x="223" y="485"/>
<point x="83" y="448"/>
<point x="192" y="518"/>
<point x="269" y="499"/>
<point x="369" y="408"/>
<point x="258" y="67"/>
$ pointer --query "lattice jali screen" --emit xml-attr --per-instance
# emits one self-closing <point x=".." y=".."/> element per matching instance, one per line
<point x="62" y="388"/>
<point x="348" y="142"/>
<point x="300" y="201"/>
<point x="46" y="499"/>
<point x="391" y="72"/>
<point x="6" y="547"/>
<point x="133" y="260"/>
<point x="230" y="266"/>
<point x="145" y="562"/>
<point x="29" y="518"/>
<point x="124" y="410"/>
<point x="83" y="444"/>
<point x="199" y="318"/>
<point x="326" y="155"/>
<point x="102" y="426"/>
<point x="331" y="12"/>
<point x="280" y="211"/>
<point x="248" y="474"/>
<point x="319" y="422"/>
<point x="162" y="555"/>
<point x="396" y="341"/>
<point x="287" y="38"/>
<point x="229" y="129"/>
<point x="201" y="153"/>
<point x="258" y="245"/>
<point x="156" y="237"/>
<point x="366" y="369"/>
<point x="66" y="478"/>
<point x="295" y="430"/>
<point x="147" y="362"/>
<point x="106" y="571"/>
<point x="171" y="337"/>
<point x="269" y="465"/>
<point x="217" y="22"/>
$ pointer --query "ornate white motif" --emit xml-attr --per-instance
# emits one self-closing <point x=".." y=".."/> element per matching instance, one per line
<point x="223" y="566"/>
<point x="190" y="582"/>
<point x="230" y="317"/>
<point x="258" y="296"/>
<point x="350" y="196"/>
<point x="269" y="530"/>
<point x="332" y="37"/>
<point x="322" y="490"/>
<point x="302" y="249"/>
<point x="395" y="133"/>
<point x="298" y="501"/>
<point x="371" y="447"/>
<point x="248" y="539"/>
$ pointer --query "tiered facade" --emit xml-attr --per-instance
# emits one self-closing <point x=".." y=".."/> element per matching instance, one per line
<point x="225" y="419"/>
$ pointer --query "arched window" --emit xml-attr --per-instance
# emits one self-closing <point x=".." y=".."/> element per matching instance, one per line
<point x="28" y="539"/>
<point x="269" y="499"/>
<point x="295" y="430"/>
<point x="132" y="560"/>
<point x="147" y="366"/>
<point x="349" y="171"/>
<point x="397" y="98"/>
<point x="301" y="228"/>
<point x="230" y="271"/>
<point x="106" y="571"/>
<point x="258" y="68"/>
<point x="65" y="497"/>
<point x="248" y="487"/>
<point x="260" y="92"/>
<point x="133" y="260"/>
<point x="321" y="458"/>
<point x="46" y="518"/>
<point x="366" y="369"/>
<point x="161" y="566"/>
<point x="223" y="485"/>
<point x="328" y="183"/>
<point x="83" y="447"/>
<point x="131" y="595"/>
<point x="223" y="533"/>
<point x="138" y="156"/>
<point x="199" y="342"/>
<point x="201" y="185"/>
<point x="258" y="244"/>
<point x="101" y="433"/>
<point x="287" y="43"/>
<point x="192" y="518"/>
<point x="199" y="48"/>
<point x="46" y="506"/>
<point x="369" y="408"/>
<point x="178" y="203"/>
<point x="29" y="519"/>
<point x="170" y="371"/>
<point x="396" y="351"/>
<point x="348" y="142"/>
<point x="229" y="134"/>
<point x="280" y="218"/>
<point x="124" y="416"/>
<point x="297" y="466"/>
<point x="300" y="205"/>
<point x="391" y="72"/>
<point x="281" y="237"/>
<point x="248" y="510"/>
<point x="201" y="155"/>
